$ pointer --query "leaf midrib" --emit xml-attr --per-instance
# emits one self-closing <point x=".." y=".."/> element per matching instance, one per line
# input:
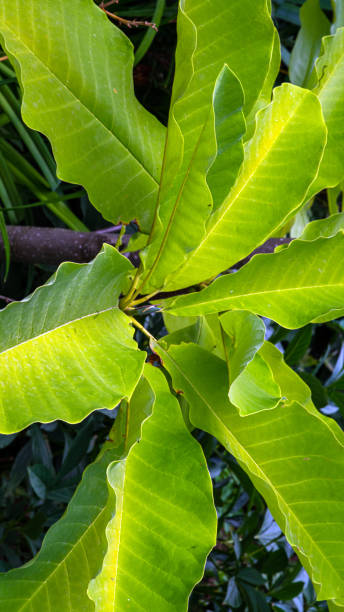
<point x="74" y="95"/>
<point x="259" y="470"/>
<point x="58" y="327"/>
<point x="256" y="293"/>
<point x="227" y="205"/>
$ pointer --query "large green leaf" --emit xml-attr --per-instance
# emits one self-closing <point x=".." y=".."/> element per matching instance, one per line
<point x="273" y="182"/>
<point x="73" y="549"/>
<point x="75" y="68"/>
<point x="277" y="286"/>
<point x="165" y="521"/>
<point x="186" y="198"/>
<point x="67" y="349"/>
<point x="293" y="455"/>
<point x="314" y="25"/>
<point x="206" y="122"/>
<point x="329" y="73"/>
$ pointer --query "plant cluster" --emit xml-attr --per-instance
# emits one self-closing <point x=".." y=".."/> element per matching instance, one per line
<point x="235" y="170"/>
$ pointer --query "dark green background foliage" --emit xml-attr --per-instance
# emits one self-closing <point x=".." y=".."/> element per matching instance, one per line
<point x="252" y="566"/>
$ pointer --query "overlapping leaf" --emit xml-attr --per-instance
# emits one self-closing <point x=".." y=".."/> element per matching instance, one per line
<point x="273" y="182"/>
<point x="76" y="72"/>
<point x="293" y="455"/>
<point x="314" y="25"/>
<point x="67" y="349"/>
<point x="277" y="286"/>
<point x="329" y="73"/>
<point x="73" y="550"/>
<point x="165" y="521"/>
<point x="205" y="122"/>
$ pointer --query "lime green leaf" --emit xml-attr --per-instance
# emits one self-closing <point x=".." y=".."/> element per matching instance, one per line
<point x="165" y="521"/>
<point x="244" y="336"/>
<point x="185" y="199"/>
<point x="276" y="286"/>
<point x="205" y="136"/>
<point x="293" y="455"/>
<point x="81" y="97"/>
<point x="255" y="388"/>
<point x="71" y="554"/>
<point x="314" y="25"/>
<point x="329" y="72"/>
<point x="73" y="549"/>
<point x="69" y="330"/>
<point x="323" y="227"/>
<point x="273" y="182"/>
<point x="266" y="92"/>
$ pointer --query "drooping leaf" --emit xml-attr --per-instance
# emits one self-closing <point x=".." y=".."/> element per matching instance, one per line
<point x="273" y="182"/>
<point x="314" y="25"/>
<point x="329" y="76"/>
<point x="73" y="549"/>
<point x="69" y="330"/>
<point x="323" y="227"/>
<point x="244" y="335"/>
<point x="255" y="388"/>
<point x="76" y="75"/>
<point x="277" y="286"/>
<point x="293" y="454"/>
<point x="165" y="520"/>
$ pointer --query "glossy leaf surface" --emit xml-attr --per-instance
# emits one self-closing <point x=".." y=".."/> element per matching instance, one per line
<point x="276" y="286"/>
<point x="69" y="330"/>
<point x="293" y="455"/>
<point x="165" y="521"/>
<point x="212" y="82"/>
<point x="75" y="68"/>
<point x="273" y="182"/>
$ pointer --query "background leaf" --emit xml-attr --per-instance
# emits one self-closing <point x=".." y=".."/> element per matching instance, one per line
<point x="80" y="95"/>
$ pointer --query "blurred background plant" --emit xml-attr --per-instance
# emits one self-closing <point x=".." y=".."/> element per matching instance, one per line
<point x="252" y="568"/>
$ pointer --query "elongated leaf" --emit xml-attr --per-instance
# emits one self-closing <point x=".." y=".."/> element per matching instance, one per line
<point x="329" y="74"/>
<point x="314" y="25"/>
<point x="276" y="286"/>
<point x="165" y="520"/>
<point x="76" y="74"/>
<point x="69" y="330"/>
<point x="73" y="550"/>
<point x="185" y="199"/>
<point x="273" y="182"/>
<point x="205" y="121"/>
<point x="293" y="455"/>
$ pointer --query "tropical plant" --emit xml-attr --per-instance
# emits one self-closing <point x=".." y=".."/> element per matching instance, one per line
<point x="230" y="172"/>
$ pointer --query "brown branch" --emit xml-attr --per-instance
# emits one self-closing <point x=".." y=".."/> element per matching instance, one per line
<point x="51" y="245"/>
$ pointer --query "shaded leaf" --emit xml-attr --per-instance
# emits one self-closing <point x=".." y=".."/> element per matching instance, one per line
<point x="314" y="25"/>
<point x="81" y="97"/>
